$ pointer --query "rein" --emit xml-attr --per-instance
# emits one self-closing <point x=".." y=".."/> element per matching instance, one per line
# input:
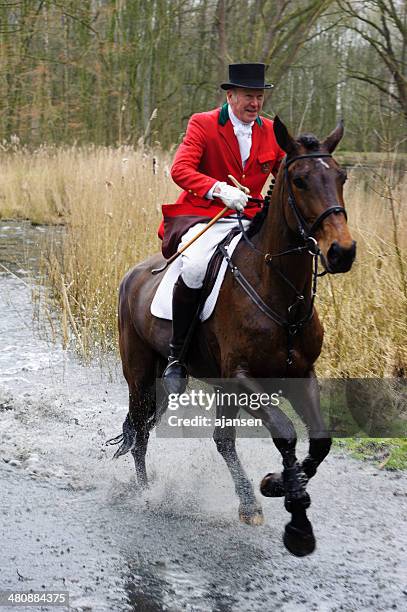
<point x="310" y="245"/>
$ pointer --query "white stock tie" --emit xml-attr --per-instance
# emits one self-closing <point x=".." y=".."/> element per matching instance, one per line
<point x="243" y="134"/>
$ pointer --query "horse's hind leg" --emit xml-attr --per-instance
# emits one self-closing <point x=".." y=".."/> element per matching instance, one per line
<point x="250" y="511"/>
<point x="142" y="415"/>
<point x="136" y="429"/>
<point x="139" y="369"/>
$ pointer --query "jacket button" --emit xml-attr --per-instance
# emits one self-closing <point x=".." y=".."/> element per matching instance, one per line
<point x="195" y="194"/>
<point x="243" y="176"/>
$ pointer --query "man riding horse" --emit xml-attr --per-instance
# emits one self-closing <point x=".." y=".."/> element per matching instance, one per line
<point x="231" y="140"/>
<point x="265" y="324"/>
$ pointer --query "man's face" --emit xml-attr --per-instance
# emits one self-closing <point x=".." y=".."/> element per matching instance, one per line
<point x="246" y="104"/>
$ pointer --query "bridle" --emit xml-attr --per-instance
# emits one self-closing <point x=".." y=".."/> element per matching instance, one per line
<point x="304" y="230"/>
<point x="310" y="245"/>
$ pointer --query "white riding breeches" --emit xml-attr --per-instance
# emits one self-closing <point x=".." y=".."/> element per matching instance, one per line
<point x="195" y="259"/>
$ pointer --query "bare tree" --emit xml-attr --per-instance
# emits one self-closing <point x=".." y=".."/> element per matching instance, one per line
<point x="383" y="25"/>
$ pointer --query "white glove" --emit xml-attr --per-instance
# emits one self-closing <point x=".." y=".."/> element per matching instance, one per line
<point x="231" y="196"/>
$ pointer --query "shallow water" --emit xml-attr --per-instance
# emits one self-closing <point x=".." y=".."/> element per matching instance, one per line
<point x="73" y="519"/>
<point x="21" y="244"/>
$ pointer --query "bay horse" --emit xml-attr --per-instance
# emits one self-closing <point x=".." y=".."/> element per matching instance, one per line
<point x="268" y="297"/>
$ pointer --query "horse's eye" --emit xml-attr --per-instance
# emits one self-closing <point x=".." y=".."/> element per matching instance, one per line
<point x="300" y="183"/>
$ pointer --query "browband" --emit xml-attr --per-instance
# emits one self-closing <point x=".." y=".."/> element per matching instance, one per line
<point x="288" y="162"/>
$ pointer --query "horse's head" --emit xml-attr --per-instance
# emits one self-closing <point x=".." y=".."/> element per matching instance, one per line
<point x="314" y="207"/>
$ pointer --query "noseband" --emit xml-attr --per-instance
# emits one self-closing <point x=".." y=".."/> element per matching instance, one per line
<point x="306" y="232"/>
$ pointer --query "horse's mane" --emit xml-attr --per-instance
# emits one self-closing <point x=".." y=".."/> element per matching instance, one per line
<point x="257" y="222"/>
<point x="310" y="143"/>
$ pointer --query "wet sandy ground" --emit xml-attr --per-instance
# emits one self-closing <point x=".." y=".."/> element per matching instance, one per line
<point x="72" y="519"/>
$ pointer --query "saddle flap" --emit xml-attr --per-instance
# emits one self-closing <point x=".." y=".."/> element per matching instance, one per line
<point x="161" y="305"/>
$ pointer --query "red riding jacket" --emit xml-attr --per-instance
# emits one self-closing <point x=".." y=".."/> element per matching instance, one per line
<point x="209" y="152"/>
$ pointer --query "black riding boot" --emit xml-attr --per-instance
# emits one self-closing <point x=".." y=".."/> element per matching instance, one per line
<point x="185" y="302"/>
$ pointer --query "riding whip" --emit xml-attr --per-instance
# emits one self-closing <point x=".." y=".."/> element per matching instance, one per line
<point x="178" y="253"/>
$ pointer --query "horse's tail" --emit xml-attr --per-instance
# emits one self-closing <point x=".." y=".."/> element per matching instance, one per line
<point x="127" y="439"/>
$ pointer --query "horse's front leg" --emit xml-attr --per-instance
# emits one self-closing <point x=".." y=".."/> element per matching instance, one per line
<point x="304" y="396"/>
<point x="298" y="536"/>
<point x="306" y="403"/>
<point x="250" y="511"/>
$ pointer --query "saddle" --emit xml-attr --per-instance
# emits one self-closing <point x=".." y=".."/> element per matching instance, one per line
<point x="214" y="266"/>
<point x="161" y="305"/>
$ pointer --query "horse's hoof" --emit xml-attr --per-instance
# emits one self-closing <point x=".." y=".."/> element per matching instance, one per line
<point x="300" y="543"/>
<point x="252" y="517"/>
<point x="272" y="486"/>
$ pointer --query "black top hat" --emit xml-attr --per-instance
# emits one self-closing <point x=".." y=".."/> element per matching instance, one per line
<point x="250" y="76"/>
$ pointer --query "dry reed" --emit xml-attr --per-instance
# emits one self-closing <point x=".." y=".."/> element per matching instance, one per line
<point x="110" y="201"/>
<point x="364" y="312"/>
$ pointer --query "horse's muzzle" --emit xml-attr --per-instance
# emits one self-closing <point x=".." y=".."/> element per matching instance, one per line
<point x="340" y="259"/>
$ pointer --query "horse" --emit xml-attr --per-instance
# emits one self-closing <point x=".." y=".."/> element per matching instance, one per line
<point x="268" y="296"/>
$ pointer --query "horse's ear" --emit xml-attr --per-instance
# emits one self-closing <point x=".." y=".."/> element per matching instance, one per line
<point x="283" y="137"/>
<point x="331" y="141"/>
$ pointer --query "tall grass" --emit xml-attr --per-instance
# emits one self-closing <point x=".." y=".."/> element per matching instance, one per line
<point x="110" y="203"/>
<point x="110" y="200"/>
<point x="365" y="311"/>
